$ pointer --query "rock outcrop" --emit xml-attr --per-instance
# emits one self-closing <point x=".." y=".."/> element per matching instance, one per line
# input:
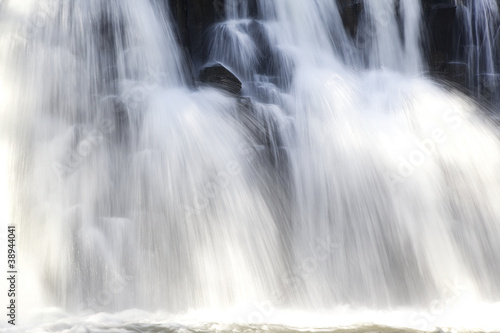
<point x="218" y="76"/>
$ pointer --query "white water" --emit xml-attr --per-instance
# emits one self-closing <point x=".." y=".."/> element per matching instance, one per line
<point x="372" y="200"/>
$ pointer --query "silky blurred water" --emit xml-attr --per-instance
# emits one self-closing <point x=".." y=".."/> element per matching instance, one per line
<point x="348" y="192"/>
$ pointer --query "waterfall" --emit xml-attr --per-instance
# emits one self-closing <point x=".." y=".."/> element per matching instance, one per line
<point x="356" y="135"/>
<point x="344" y="188"/>
<point x="175" y="199"/>
<point x="478" y="44"/>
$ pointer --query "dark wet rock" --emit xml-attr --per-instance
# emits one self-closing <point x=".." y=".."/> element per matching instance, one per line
<point x="247" y="115"/>
<point x="110" y="32"/>
<point x="121" y="126"/>
<point x="191" y="19"/>
<point x="439" y="19"/>
<point x="218" y="76"/>
<point x="457" y="72"/>
<point x="489" y="87"/>
<point x="265" y="57"/>
<point x="265" y="130"/>
<point x="253" y="9"/>
<point x="438" y="3"/>
<point x="350" y="11"/>
<point x="245" y="105"/>
<point x="272" y="62"/>
<point x="194" y="21"/>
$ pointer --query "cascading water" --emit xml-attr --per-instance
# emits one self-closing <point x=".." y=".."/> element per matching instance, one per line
<point x="477" y="44"/>
<point x="175" y="199"/>
<point x="350" y="190"/>
<point x="357" y="135"/>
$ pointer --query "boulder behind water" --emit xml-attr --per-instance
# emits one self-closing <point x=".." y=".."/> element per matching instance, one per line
<point x="218" y="76"/>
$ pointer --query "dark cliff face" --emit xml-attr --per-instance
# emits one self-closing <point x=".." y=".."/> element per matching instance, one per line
<point x="194" y="18"/>
<point x="439" y="17"/>
<point x="350" y="11"/>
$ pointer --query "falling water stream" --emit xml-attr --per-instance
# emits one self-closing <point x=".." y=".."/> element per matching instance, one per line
<point x="477" y="44"/>
<point x="347" y="191"/>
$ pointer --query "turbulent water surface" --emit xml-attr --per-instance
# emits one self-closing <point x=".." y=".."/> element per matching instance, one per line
<point x="347" y="192"/>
